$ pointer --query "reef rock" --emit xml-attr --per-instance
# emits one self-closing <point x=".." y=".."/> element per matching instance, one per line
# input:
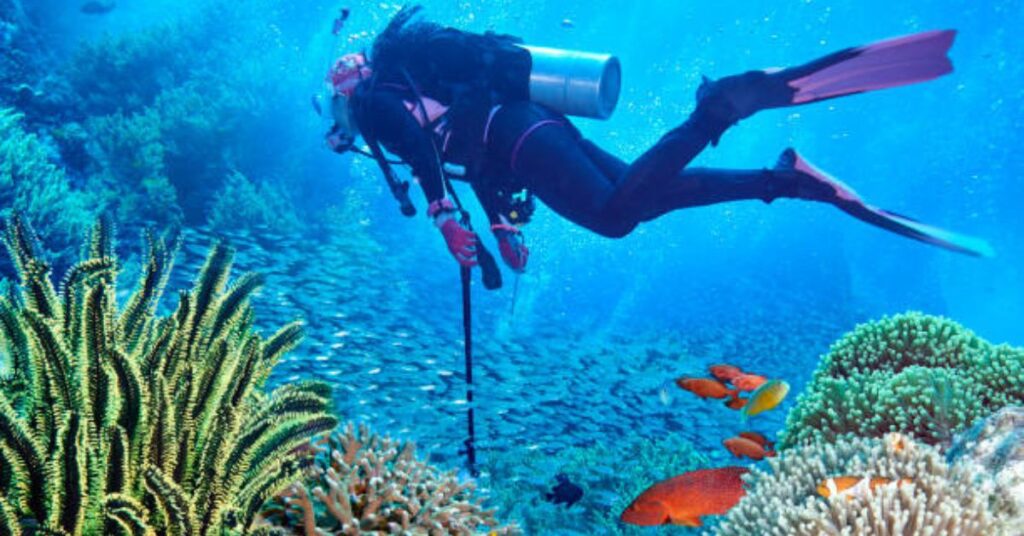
<point x="997" y="445"/>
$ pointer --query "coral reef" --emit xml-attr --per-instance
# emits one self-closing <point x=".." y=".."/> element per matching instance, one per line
<point x="32" y="185"/>
<point x="935" y="499"/>
<point x="240" y="203"/>
<point x="363" y="483"/>
<point x="997" y="445"/>
<point x="132" y="175"/>
<point x="169" y="114"/>
<point x="922" y="375"/>
<point x="117" y="421"/>
<point x="610" y="474"/>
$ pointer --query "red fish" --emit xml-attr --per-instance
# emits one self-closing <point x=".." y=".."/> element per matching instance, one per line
<point x="748" y="382"/>
<point x="706" y="388"/>
<point x="758" y="438"/>
<point x="724" y="373"/>
<point x="743" y="447"/>
<point x="683" y="499"/>
<point x="736" y="403"/>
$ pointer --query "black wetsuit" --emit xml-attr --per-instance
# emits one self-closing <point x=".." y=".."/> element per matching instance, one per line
<point x="524" y="144"/>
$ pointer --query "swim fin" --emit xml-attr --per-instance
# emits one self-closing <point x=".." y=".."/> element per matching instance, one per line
<point x="883" y="64"/>
<point x="823" y="187"/>
<point x="889" y="63"/>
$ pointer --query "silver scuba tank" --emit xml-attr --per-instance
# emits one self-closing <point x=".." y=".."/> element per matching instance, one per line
<point x="574" y="82"/>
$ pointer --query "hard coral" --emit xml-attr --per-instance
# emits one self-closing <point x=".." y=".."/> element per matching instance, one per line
<point x="366" y="484"/>
<point x="997" y="446"/>
<point x="32" y="185"/>
<point x="933" y="497"/>
<point x="922" y="375"/>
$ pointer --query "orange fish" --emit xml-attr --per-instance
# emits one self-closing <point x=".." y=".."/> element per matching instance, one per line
<point x="748" y="382"/>
<point x="736" y="403"/>
<point x="683" y="499"/>
<point x="743" y="447"/>
<point x="706" y="388"/>
<point x="758" y="438"/>
<point x="854" y="486"/>
<point x="724" y="373"/>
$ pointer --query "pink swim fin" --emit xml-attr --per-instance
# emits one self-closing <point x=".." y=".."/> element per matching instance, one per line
<point x="847" y="200"/>
<point x="889" y="63"/>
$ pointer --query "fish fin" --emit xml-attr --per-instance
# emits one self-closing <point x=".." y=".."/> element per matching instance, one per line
<point x="685" y="521"/>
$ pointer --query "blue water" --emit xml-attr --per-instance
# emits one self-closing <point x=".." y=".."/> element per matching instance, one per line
<point x="581" y="351"/>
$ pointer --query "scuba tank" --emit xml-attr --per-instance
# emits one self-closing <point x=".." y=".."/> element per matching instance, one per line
<point x="573" y="82"/>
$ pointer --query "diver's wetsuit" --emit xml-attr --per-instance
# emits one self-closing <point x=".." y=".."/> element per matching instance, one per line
<point x="541" y="150"/>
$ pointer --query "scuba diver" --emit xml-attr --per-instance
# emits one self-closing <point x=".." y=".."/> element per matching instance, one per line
<point x="488" y="110"/>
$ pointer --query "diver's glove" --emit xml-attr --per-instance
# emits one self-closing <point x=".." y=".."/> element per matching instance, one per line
<point x="512" y="246"/>
<point x="461" y="241"/>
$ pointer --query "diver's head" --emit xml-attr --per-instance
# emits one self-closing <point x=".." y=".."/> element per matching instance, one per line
<point x="347" y="72"/>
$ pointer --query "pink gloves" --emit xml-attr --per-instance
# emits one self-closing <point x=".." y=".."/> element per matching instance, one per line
<point x="461" y="241"/>
<point x="513" y="248"/>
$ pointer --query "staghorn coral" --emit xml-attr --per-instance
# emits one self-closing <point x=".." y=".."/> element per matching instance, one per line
<point x="938" y="499"/>
<point x="365" y="484"/>
<point x="923" y="375"/>
<point x="117" y="421"/>
<point x="31" y="184"/>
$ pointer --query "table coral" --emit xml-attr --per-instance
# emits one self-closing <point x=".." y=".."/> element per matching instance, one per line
<point x="923" y="375"/>
<point x="366" y="484"/>
<point x="935" y="498"/>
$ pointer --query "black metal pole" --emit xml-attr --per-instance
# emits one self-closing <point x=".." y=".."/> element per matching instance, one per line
<point x="467" y="328"/>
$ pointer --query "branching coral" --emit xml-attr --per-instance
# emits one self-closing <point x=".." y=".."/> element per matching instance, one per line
<point x="926" y="495"/>
<point x="923" y="375"/>
<point x="34" y="186"/>
<point x="116" y="421"/>
<point x="243" y="204"/>
<point x="365" y="484"/>
<point x="131" y="154"/>
<point x="171" y="113"/>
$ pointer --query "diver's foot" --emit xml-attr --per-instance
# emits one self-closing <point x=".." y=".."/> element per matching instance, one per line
<point x="803" y="180"/>
<point x="737" y="97"/>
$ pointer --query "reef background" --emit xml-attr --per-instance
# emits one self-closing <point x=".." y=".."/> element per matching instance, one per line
<point x="198" y="114"/>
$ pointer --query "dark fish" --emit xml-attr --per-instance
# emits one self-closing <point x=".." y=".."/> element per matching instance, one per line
<point x="339" y="22"/>
<point x="565" y="492"/>
<point x="98" y="7"/>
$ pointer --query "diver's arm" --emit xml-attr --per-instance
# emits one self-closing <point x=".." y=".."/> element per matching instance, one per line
<point x="510" y="239"/>
<point x="384" y="117"/>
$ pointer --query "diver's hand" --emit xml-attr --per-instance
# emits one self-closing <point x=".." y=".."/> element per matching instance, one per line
<point x="461" y="241"/>
<point x="512" y="246"/>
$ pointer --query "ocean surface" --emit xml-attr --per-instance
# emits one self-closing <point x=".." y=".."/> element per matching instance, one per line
<point x="575" y="360"/>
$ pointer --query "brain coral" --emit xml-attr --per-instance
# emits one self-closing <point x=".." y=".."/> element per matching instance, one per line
<point x="923" y="375"/>
<point x="937" y="498"/>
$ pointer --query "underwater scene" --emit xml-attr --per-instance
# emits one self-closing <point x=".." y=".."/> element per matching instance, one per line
<point x="508" y="267"/>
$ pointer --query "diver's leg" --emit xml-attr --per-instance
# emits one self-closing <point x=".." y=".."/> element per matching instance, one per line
<point x="555" y="167"/>
<point x="695" y="187"/>
<point x="664" y="161"/>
